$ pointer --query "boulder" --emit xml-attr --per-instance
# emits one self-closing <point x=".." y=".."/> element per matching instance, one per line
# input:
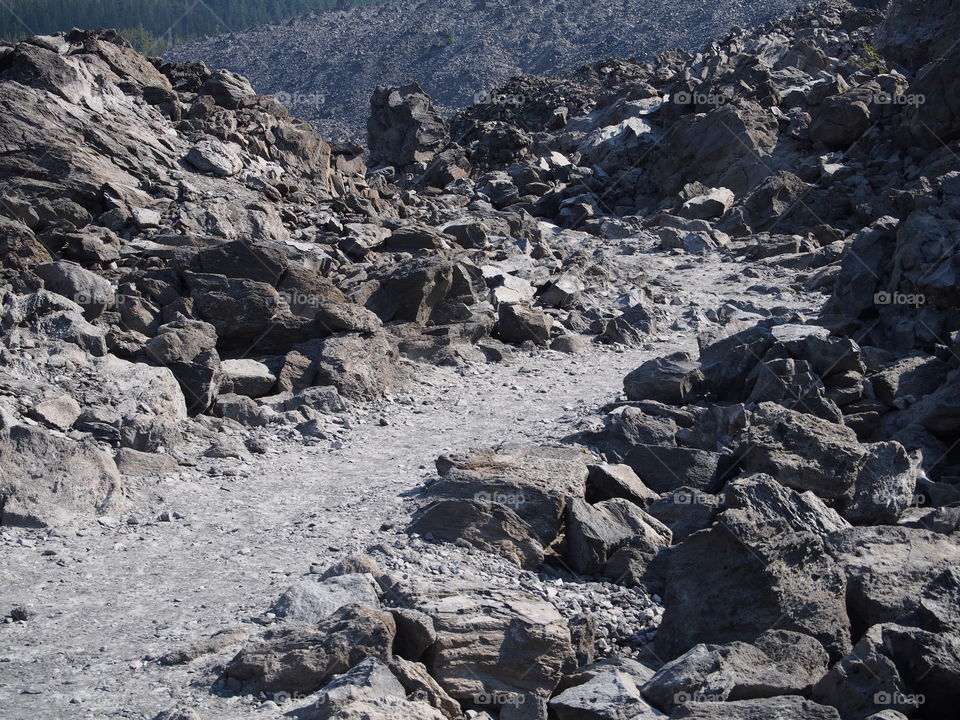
<point x="59" y="413"/>
<point x="605" y="482"/>
<point x="134" y="463"/>
<point x="532" y="482"/>
<point x="672" y="379"/>
<point x="403" y="127"/>
<point x="595" y="532"/>
<point x="786" y="706"/>
<point x="300" y="658"/>
<point x="517" y="324"/>
<point x="87" y="289"/>
<point x="491" y="641"/>
<point x="310" y="602"/>
<point x="801" y="451"/>
<point x="212" y="157"/>
<point x="489" y="526"/>
<point x="664" y="468"/>
<point x="709" y="205"/>
<point x="48" y="480"/>
<point x="610" y="693"/>
<point x="248" y="377"/>
<point x="778" y="662"/>
<point x="370" y="680"/>
<point x="359" y="367"/>
<point x="887" y="569"/>
<point x="885" y="486"/>
<point x="188" y="349"/>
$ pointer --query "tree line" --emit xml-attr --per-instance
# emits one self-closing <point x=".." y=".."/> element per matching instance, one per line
<point x="152" y="25"/>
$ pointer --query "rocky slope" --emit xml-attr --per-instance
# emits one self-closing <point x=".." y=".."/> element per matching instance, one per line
<point x="760" y="521"/>
<point x="324" y="66"/>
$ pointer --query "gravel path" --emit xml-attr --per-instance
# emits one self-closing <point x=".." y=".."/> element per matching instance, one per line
<point x="107" y="600"/>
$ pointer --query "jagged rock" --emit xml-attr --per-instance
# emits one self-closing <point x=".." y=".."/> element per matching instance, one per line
<point x="403" y="128"/>
<point x="778" y="662"/>
<point x="595" y="532"/>
<point x="885" y="486"/>
<point x="417" y="683"/>
<point x="215" y="158"/>
<point x="685" y="511"/>
<point x="606" y="482"/>
<point x="188" y="349"/>
<point x="611" y="693"/>
<point x="533" y="482"/>
<point x="787" y="706"/>
<point x="671" y="379"/>
<point x="303" y="658"/>
<point x="489" y="526"/>
<point x="248" y="377"/>
<point x="518" y="324"/>
<point x="712" y="204"/>
<point x="801" y="451"/>
<point x="228" y="89"/>
<point x="59" y="413"/>
<point x="632" y="328"/>
<point x="664" y="468"/>
<point x="48" y="480"/>
<point x="311" y="602"/>
<point x="490" y="640"/>
<point x="90" y="291"/>
<point x="141" y="464"/>
<point x="887" y="568"/>
<point x="369" y="680"/>
<point x="737" y="579"/>
<point x="359" y="367"/>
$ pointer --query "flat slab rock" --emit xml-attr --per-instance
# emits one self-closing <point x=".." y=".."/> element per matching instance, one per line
<point x="491" y="640"/>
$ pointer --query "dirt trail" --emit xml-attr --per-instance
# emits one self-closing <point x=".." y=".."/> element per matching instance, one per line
<point x="105" y="599"/>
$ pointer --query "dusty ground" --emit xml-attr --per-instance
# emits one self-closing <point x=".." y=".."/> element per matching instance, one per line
<point x="106" y="601"/>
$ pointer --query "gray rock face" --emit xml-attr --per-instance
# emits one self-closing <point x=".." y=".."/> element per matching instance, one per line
<point x="778" y="662"/>
<point x="611" y="693"/>
<point x="517" y="324"/>
<point x="595" y="532"/>
<point x="489" y="526"/>
<point x="303" y="658"/>
<point x="47" y="480"/>
<point x="403" y="127"/>
<point x="801" y="451"/>
<point x="311" y="602"/>
<point x="672" y="379"/>
<point x="788" y="706"/>
<point x="214" y="158"/>
<point x="534" y="483"/>
<point x="369" y="680"/>
<point x="491" y="640"/>
<point x="90" y="291"/>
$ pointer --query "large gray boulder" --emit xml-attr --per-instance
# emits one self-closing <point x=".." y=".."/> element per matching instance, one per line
<point x="778" y="662"/>
<point x="403" y="127"/>
<point x="300" y="658"/>
<point x="48" y="480"/>
<point x="87" y="289"/>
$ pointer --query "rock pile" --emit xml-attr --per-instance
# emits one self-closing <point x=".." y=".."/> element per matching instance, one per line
<point x="764" y="525"/>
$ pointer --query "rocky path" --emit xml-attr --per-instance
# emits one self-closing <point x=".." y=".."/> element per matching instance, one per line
<point x="107" y="601"/>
